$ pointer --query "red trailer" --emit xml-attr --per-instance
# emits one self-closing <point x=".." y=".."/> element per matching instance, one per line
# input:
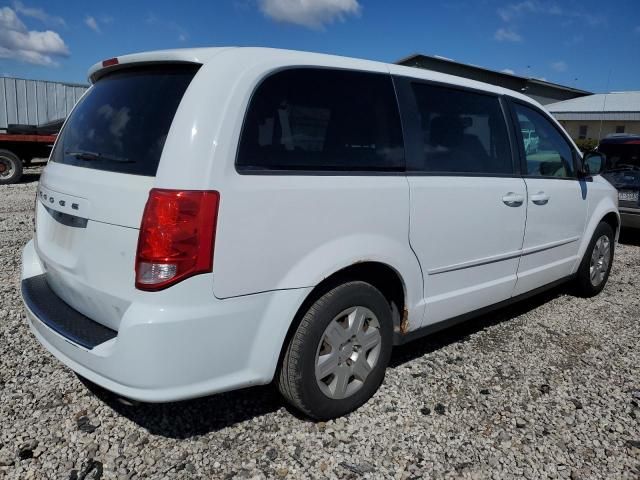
<point x="21" y="144"/>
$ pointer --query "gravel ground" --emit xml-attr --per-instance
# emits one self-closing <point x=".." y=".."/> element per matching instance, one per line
<point x="546" y="389"/>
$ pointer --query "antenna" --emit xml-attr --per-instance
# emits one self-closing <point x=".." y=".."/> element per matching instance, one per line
<point x="604" y="104"/>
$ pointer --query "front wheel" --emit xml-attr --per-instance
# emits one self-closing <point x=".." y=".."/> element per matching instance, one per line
<point x="596" y="263"/>
<point x="337" y="357"/>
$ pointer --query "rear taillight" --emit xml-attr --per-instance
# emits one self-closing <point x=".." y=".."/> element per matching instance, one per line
<point x="177" y="237"/>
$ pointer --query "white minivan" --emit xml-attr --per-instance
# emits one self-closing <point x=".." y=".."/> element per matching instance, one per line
<point x="216" y="218"/>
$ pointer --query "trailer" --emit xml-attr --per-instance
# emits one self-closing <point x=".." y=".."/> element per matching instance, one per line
<point x="23" y="143"/>
<point x="31" y="114"/>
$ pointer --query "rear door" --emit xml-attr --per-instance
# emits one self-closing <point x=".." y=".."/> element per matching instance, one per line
<point x="93" y="191"/>
<point x="556" y="201"/>
<point x="467" y="200"/>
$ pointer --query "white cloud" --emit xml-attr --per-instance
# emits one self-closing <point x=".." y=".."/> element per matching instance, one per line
<point x="92" y="23"/>
<point x="508" y="70"/>
<point x="31" y="46"/>
<point x="38" y="14"/>
<point x="514" y="11"/>
<point x="182" y="33"/>
<point x="96" y="23"/>
<point x="559" y="66"/>
<point x="507" y="35"/>
<point x="314" y="14"/>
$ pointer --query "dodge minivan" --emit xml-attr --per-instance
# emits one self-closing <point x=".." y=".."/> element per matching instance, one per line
<point x="212" y="219"/>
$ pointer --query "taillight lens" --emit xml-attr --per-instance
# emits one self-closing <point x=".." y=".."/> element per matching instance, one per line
<point x="177" y="237"/>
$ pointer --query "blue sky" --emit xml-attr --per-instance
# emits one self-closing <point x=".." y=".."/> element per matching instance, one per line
<point x="589" y="44"/>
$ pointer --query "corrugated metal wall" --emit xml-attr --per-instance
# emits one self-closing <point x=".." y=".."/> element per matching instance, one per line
<point x="33" y="102"/>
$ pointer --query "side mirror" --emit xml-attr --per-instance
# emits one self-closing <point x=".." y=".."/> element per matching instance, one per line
<point x="593" y="163"/>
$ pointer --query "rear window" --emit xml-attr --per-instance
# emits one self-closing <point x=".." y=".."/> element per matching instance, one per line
<point x="322" y="120"/>
<point x="121" y="124"/>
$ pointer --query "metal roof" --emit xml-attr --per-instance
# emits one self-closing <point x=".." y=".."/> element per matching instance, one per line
<point x="623" y="106"/>
<point x="599" y="103"/>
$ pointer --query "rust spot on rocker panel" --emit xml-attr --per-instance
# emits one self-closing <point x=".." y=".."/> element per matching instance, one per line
<point x="404" y="322"/>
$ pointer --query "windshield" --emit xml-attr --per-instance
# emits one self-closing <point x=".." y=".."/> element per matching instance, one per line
<point x="621" y="155"/>
<point x="122" y="122"/>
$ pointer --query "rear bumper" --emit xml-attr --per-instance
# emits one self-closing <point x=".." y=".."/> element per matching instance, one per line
<point x="45" y="305"/>
<point x="166" y="352"/>
<point x="630" y="217"/>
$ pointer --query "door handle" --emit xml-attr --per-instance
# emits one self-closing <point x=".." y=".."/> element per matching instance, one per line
<point x="540" y="198"/>
<point x="512" y="199"/>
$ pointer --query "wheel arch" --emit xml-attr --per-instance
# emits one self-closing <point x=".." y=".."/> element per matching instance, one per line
<point x="613" y="219"/>
<point x="606" y="211"/>
<point x="381" y="275"/>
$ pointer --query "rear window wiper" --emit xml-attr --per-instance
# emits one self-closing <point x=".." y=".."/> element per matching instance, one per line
<point x="89" y="156"/>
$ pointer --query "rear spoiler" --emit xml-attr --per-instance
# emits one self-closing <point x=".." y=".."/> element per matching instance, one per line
<point x="187" y="55"/>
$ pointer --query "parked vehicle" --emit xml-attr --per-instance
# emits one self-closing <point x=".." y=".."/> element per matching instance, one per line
<point x="31" y="114"/>
<point x="530" y="139"/>
<point x="294" y="218"/>
<point x="20" y="144"/>
<point x="622" y="169"/>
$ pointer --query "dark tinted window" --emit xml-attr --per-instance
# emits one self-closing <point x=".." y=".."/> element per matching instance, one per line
<point x="462" y="132"/>
<point x="122" y="122"/>
<point x="621" y="156"/>
<point x="315" y="119"/>
<point x="547" y="152"/>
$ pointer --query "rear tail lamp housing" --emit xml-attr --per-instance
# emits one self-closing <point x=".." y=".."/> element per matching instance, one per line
<point x="177" y="237"/>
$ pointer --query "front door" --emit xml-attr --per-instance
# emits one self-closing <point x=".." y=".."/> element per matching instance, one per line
<point x="556" y="201"/>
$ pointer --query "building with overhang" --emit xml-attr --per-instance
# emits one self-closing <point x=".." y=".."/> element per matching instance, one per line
<point x="540" y="90"/>
<point x="596" y="116"/>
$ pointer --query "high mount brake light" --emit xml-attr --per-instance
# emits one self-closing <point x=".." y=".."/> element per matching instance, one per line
<point x="177" y="237"/>
<point x="109" y="62"/>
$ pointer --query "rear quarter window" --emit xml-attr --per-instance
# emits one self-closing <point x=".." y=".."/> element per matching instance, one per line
<point x="122" y="122"/>
<point x="322" y="120"/>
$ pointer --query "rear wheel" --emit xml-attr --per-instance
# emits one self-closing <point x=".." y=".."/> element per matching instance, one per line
<point x="10" y="167"/>
<point x="596" y="263"/>
<point x="336" y="359"/>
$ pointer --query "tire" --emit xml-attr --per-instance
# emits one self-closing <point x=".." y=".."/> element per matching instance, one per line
<point x="358" y="361"/>
<point x="599" y="255"/>
<point x="10" y="167"/>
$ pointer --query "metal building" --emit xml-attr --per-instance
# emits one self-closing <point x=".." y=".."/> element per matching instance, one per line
<point x="596" y="116"/>
<point x="540" y="90"/>
<point x="34" y="102"/>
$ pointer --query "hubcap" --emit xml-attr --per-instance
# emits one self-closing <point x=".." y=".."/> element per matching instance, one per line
<point x="6" y="168"/>
<point x="348" y="351"/>
<point x="600" y="258"/>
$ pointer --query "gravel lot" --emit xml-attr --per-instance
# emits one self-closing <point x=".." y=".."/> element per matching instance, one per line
<point x="545" y="389"/>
